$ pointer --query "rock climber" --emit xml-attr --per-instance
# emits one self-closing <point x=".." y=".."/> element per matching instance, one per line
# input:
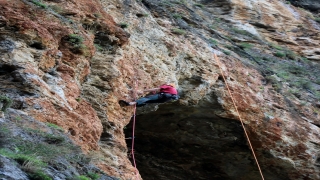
<point x="164" y="93"/>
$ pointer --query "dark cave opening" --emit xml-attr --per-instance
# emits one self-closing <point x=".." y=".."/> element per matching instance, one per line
<point x="178" y="142"/>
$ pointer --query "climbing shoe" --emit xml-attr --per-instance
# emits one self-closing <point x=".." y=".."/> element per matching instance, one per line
<point x="123" y="103"/>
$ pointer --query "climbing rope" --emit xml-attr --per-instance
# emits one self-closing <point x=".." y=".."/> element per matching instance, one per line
<point x="134" y="123"/>
<point x="254" y="155"/>
<point x="133" y="137"/>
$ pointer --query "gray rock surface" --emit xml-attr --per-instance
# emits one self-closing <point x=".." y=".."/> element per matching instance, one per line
<point x="10" y="171"/>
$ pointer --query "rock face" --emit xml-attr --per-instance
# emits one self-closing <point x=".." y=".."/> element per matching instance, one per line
<point x="196" y="137"/>
<point x="311" y="5"/>
<point x="9" y="171"/>
<point x="69" y="62"/>
<point x="45" y="59"/>
<point x="31" y="149"/>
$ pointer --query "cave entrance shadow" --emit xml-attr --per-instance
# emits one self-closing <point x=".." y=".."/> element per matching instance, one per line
<point x="179" y="142"/>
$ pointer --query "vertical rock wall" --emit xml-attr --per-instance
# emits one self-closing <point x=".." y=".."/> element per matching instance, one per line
<point x="70" y="62"/>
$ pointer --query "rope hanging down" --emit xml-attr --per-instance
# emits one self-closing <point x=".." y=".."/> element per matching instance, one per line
<point x="133" y="137"/>
<point x="254" y="155"/>
<point x="134" y="123"/>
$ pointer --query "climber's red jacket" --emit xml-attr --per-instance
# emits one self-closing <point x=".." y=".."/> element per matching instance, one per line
<point x="168" y="89"/>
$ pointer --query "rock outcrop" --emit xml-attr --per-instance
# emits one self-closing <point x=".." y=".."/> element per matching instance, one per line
<point x="69" y="62"/>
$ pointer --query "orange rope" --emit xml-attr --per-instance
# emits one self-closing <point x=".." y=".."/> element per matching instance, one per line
<point x="219" y="64"/>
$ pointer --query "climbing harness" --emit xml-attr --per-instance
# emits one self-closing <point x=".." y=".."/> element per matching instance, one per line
<point x="254" y="155"/>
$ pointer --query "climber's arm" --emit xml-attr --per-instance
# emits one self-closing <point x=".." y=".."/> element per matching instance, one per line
<point x="151" y="90"/>
<point x="154" y="90"/>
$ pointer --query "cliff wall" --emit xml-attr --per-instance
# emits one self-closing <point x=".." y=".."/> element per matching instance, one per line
<point x="69" y="62"/>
